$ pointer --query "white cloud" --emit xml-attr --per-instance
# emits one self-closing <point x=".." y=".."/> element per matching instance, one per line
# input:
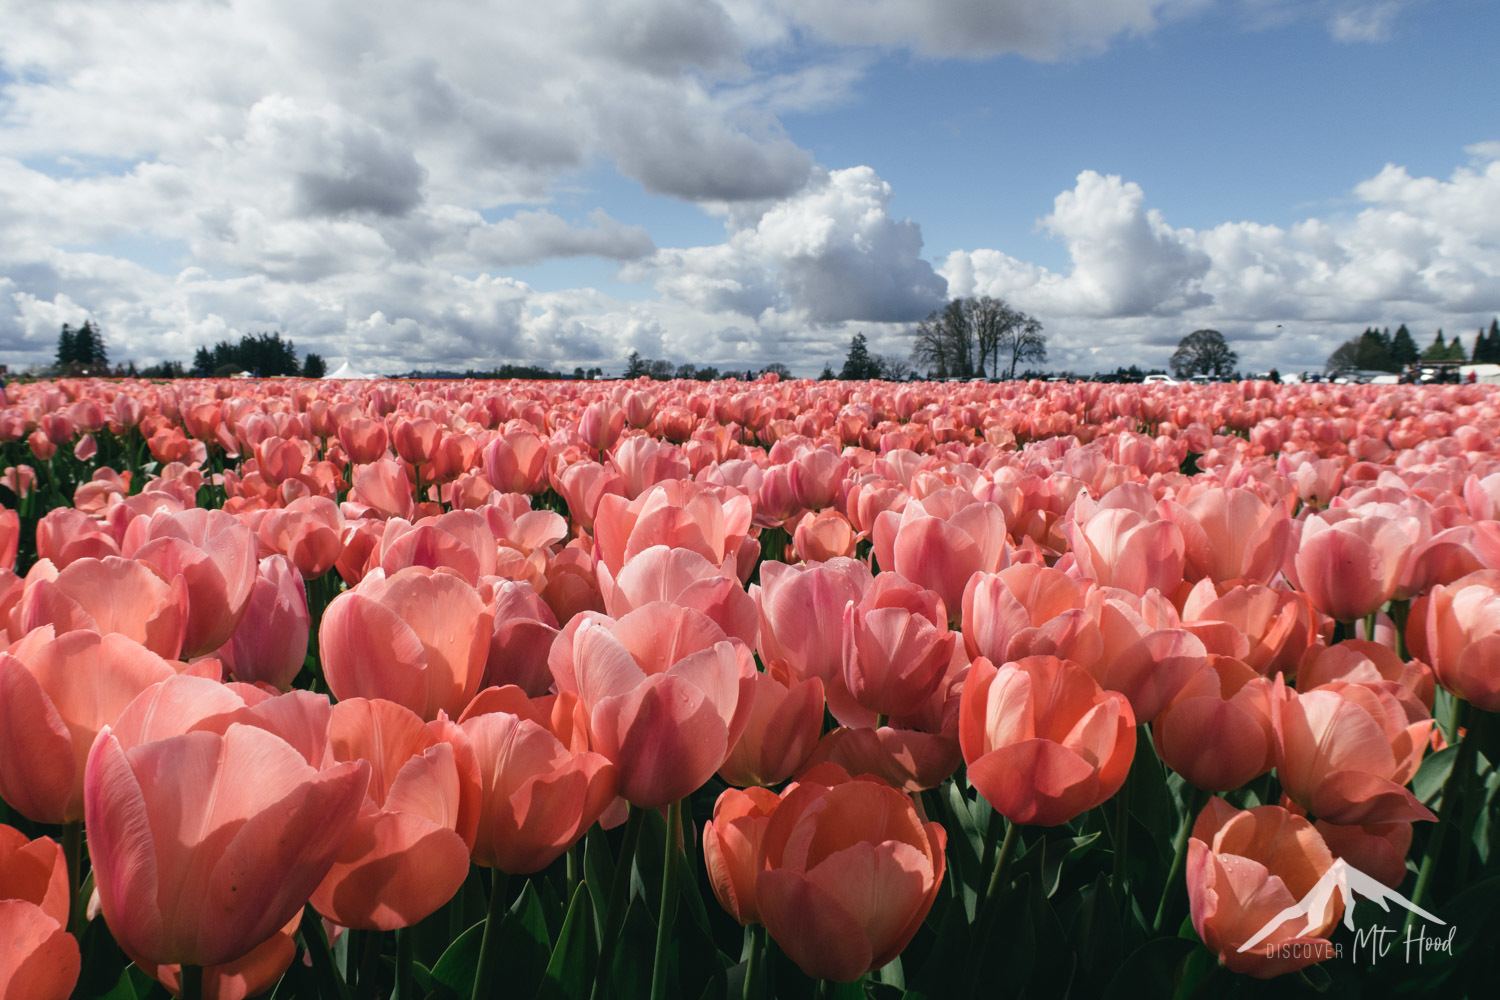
<point x="1420" y="250"/>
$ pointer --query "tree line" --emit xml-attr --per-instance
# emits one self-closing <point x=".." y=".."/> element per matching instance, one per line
<point x="1380" y="350"/>
<point x="83" y="351"/>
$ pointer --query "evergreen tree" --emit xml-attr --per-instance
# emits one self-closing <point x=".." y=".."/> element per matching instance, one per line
<point x="634" y="366"/>
<point x="1437" y="350"/>
<point x="66" y="352"/>
<point x="1373" y="352"/>
<point x="313" y="366"/>
<point x="858" y="363"/>
<point x="827" y="374"/>
<point x="1455" y="349"/>
<point x="1403" y="348"/>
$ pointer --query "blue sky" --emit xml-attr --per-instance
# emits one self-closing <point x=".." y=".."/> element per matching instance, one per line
<point x="694" y="171"/>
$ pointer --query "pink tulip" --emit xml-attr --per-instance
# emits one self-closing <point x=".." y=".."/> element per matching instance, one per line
<point x="1345" y="751"/>
<point x="204" y="845"/>
<point x="270" y="644"/>
<point x="941" y="541"/>
<point x="1232" y="534"/>
<point x="1462" y="637"/>
<point x="894" y="657"/>
<point x="849" y="873"/>
<point x="1043" y="742"/>
<point x="106" y="595"/>
<point x="1124" y="547"/>
<point x="802" y="611"/>
<point x="666" y="691"/>
<point x="538" y="796"/>
<point x="1029" y="610"/>
<point x="525" y="628"/>
<point x="1244" y="868"/>
<point x="407" y="852"/>
<point x="685" y="578"/>
<point x="780" y="732"/>
<point x="56" y="693"/>
<point x="1216" y="732"/>
<point x="1350" y="564"/>
<point x="215" y="556"/>
<point x="732" y="848"/>
<point x="419" y="638"/>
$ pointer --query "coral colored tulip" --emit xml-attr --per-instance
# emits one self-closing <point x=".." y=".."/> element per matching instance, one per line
<point x="107" y="595"/>
<point x="408" y="851"/>
<point x="1232" y="534"/>
<point x="1243" y="868"/>
<point x="1029" y="610"/>
<point x="1350" y="564"/>
<point x="685" y="578"/>
<point x="270" y="644"/>
<point x="56" y="693"/>
<point x="849" y="873"/>
<point x="712" y="521"/>
<point x="600" y="425"/>
<point x="1141" y="659"/>
<point x="1122" y="547"/>
<point x="1043" y="742"/>
<point x="666" y="691"/>
<point x="1345" y="752"/>
<point x="215" y="555"/>
<point x="783" y="727"/>
<point x="1462" y="637"/>
<point x="1216" y="732"/>
<point x="204" y="845"/>
<point x="802" y="612"/>
<point x="525" y="628"/>
<point x="35" y="872"/>
<point x="823" y="536"/>
<point x="731" y="848"/>
<point x="459" y="540"/>
<point x="940" y="542"/>
<point x="515" y="461"/>
<point x="538" y="797"/>
<point x="1360" y="661"/>
<point x="384" y="487"/>
<point x="419" y="638"/>
<point x="308" y="531"/>
<point x="40" y="959"/>
<point x="64" y="535"/>
<point x="10" y="538"/>
<point x="1275" y="626"/>
<point x="364" y="440"/>
<point x="1377" y="849"/>
<point x="893" y="657"/>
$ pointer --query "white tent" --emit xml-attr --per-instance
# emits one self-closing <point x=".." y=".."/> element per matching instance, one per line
<point x="348" y="371"/>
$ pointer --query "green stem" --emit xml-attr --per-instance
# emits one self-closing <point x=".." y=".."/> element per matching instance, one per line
<point x="72" y="842"/>
<point x="365" y="945"/>
<point x="1179" y="855"/>
<point x="1463" y="766"/>
<point x="998" y="873"/>
<point x="614" y="914"/>
<point x="191" y="982"/>
<point x="316" y="942"/>
<point x="489" y="944"/>
<point x="668" y="912"/>
<point x="404" y="990"/>
<point x="752" y="967"/>
<point x="1122" y="835"/>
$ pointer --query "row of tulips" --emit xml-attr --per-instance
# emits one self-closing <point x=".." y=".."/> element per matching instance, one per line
<point x="743" y="689"/>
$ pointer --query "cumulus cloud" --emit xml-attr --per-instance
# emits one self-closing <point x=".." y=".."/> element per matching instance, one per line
<point x="1421" y="250"/>
<point x="830" y="254"/>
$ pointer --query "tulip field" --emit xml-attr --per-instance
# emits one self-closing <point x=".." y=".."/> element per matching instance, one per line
<point x="762" y="689"/>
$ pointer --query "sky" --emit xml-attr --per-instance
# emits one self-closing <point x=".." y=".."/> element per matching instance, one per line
<point x="458" y="184"/>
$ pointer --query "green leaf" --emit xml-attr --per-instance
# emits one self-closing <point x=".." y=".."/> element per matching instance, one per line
<point x="125" y="987"/>
<point x="455" y="969"/>
<point x="1433" y="774"/>
<point x="525" y="943"/>
<point x="570" y="970"/>
<point x="1150" y="970"/>
<point x="598" y="873"/>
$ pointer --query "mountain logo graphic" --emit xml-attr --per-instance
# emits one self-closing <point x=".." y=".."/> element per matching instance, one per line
<point x="1347" y="882"/>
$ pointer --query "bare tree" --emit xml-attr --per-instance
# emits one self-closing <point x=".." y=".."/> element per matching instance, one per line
<point x="1024" y="341"/>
